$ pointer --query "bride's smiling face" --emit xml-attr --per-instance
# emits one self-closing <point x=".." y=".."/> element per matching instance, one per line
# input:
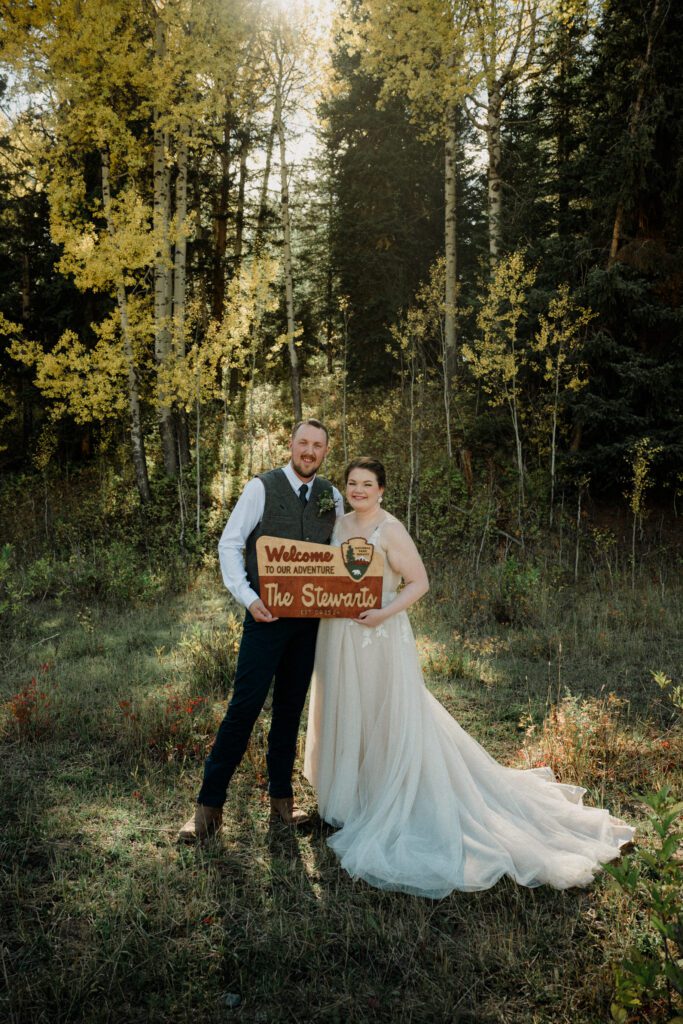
<point x="363" y="491"/>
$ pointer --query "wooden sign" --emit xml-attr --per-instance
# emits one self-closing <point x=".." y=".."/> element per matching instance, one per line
<point x="298" y="579"/>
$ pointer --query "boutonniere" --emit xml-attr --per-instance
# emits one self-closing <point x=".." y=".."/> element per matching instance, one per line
<point x="326" y="502"/>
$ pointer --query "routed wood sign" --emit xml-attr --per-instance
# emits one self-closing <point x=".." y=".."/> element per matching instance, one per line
<point x="298" y="579"/>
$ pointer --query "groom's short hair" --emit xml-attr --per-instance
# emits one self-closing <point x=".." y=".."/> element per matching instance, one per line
<point x="311" y="423"/>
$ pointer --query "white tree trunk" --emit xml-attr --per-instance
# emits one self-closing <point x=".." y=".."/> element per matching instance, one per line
<point x="345" y="383"/>
<point x="553" y="439"/>
<point x="180" y="259"/>
<point x="495" y="181"/>
<point x="519" y="457"/>
<point x="162" y="269"/>
<point x="136" y="434"/>
<point x="287" y="257"/>
<point x="449" y="338"/>
<point x="450" y="238"/>
<point x="411" y="439"/>
<point x="239" y="214"/>
<point x="179" y="298"/>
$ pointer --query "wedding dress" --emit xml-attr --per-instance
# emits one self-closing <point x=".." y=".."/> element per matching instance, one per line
<point x="421" y="807"/>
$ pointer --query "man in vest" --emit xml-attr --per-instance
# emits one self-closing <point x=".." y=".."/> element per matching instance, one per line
<point x="297" y="504"/>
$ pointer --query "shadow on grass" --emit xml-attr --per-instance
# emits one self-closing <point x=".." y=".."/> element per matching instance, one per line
<point x="105" y="918"/>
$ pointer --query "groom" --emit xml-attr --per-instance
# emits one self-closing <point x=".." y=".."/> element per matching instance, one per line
<point x="294" y="503"/>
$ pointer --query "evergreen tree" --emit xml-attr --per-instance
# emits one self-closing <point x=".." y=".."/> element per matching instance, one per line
<point x="636" y="145"/>
<point x="387" y="201"/>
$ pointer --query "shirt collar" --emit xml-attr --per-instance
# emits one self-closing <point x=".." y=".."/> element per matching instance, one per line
<point x="294" y="481"/>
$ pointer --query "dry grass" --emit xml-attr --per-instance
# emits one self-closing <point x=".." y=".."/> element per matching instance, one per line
<point x="105" y="918"/>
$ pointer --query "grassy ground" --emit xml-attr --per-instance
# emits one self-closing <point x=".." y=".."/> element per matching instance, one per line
<point x="105" y="918"/>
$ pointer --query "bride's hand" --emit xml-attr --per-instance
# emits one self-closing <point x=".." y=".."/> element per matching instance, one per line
<point x="371" y="617"/>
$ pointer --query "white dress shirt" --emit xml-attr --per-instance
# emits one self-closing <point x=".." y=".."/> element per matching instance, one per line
<point x="246" y="515"/>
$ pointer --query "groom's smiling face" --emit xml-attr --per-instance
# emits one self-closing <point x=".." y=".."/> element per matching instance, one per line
<point x="308" y="448"/>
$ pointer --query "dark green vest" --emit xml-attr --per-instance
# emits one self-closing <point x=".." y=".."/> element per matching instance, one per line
<point x="285" y="516"/>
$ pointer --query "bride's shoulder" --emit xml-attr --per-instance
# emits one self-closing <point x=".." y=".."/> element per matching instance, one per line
<point x="393" y="529"/>
<point x="339" y="523"/>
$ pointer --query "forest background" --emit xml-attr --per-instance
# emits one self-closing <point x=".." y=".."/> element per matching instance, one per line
<point x="452" y="231"/>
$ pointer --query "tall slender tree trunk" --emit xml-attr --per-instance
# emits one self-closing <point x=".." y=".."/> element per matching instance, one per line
<point x="495" y="181"/>
<point x="329" y="281"/>
<point x="295" y="373"/>
<point x="263" y="200"/>
<point x="411" y="439"/>
<point x="519" y="458"/>
<point x="25" y="401"/>
<point x="136" y="434"/>
<point x="220" y="226"/>
<point x="451" y="234"/>
<point x="345" y="381"/>
<point x="162" y="270"/>
<point x="25" y="288"/>
<point x="239" y="213"/>
<point x="180" y="289"/>
<point x="563" y="131"/>
<point x="259" y="232"/>
<point x="553" y="439"/>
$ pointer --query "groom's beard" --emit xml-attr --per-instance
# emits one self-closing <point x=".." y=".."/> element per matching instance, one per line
<point x="305" y="471"/>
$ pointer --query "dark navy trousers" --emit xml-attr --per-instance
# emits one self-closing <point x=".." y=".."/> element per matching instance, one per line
<point x="284" y="649"/>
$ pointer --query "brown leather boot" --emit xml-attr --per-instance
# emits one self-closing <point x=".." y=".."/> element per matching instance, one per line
<point x="282" y="812"/>
<point x="205" y="822"/>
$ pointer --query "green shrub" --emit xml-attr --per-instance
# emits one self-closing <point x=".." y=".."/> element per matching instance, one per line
<point x="9" y="594"/>
<point x="508" y="592"/>
<point x="651" y="976"/>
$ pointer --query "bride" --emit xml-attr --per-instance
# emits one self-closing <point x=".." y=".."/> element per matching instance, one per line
<point x="420" y="805"/>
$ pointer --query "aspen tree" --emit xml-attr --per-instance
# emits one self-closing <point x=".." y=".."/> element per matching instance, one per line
<point x="498" y="355"/>
<point x="558" y="341"/>
<point x="410" y="335"/>
<point x="197" y="46"/>
<point x="285" y="211"/>
<point x="137" y="437"/>
<point x="504" y="45"/>
<point x="643" y="453"/>
<point x="10" y="333"/>
<point x="289" y="50"/>
<point x="163" y="293"/>
<point x="129" y="91"/>
<point x="71" y="53"/>
<point x="448" y="56"/>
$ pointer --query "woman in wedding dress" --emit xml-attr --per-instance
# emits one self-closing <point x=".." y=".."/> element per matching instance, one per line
<point x="420" y="805"/>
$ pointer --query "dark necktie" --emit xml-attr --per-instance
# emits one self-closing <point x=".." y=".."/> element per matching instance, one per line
<point x="303" y="491"/>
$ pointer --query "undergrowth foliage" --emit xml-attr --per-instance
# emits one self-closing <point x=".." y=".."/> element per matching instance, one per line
<point x="174" y="728"/>
<point x="210" y="656"/>
<point x="99" y="772"/>
<point x="587" y="741"/>
<point x="29" y="712"/>
<point x="651" y="975"/>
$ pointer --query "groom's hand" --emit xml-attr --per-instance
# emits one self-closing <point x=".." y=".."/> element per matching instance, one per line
<point x="260" y="613"/>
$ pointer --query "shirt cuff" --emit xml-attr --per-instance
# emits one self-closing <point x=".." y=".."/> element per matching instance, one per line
<point x="246" y="595"/>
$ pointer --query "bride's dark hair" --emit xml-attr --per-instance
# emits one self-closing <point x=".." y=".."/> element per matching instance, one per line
<point x="364" y="462"/>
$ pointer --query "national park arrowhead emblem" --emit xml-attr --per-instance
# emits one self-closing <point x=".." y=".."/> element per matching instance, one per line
<point x="357" y="555"/>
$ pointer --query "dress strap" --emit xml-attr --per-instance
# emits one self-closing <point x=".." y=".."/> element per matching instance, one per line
<point x="378" y="529"/>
